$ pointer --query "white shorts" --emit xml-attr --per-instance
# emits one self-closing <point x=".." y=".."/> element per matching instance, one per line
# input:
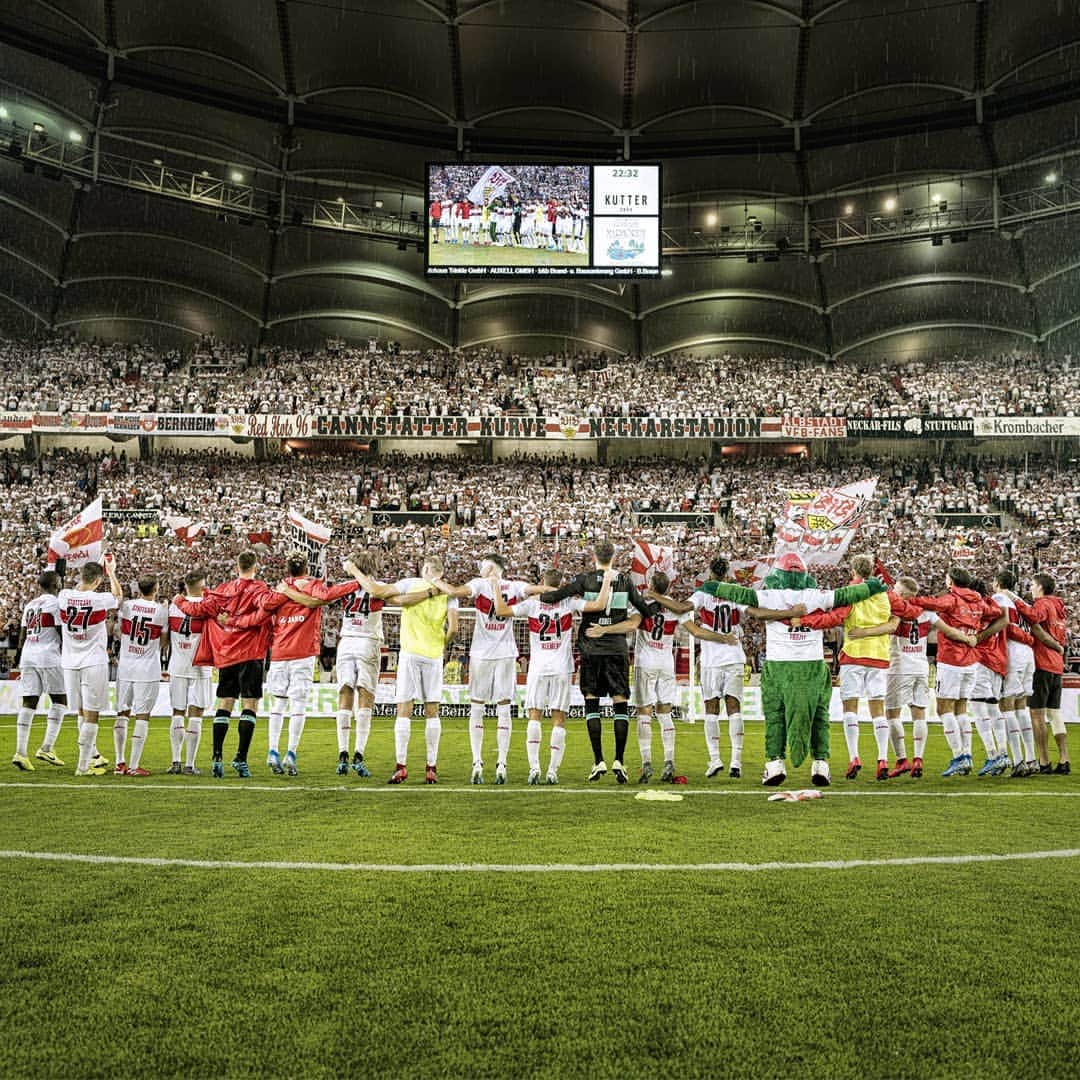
<point x="858" y="683"/>
<point x="548" y="692"/>
<point x="190" y="692"/>
<point x="955" y="683"/>
<point x="492" y="680"/>
<point x="36" y="681"/>
<point x="87" y="688"/>
<point x="901" y="690"/>
<point x="987" y="684"/>
<point x="1020" y="681"/>
<point x="358" y="663"/>
<point x="419" y="678"/>
<point x="725" y="681"/>
<point x="291" y="679"/>
<point x="138" y="698"/>
<point x="652" y="688"/>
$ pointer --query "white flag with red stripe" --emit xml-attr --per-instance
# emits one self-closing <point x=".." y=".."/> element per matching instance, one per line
<point x="311" y="538"/>
<point x="647" y="559"/>
<point x="80" y="540"/>
<point x="187" y="529"/>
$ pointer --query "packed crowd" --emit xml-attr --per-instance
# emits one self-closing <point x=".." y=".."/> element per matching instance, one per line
<point x="564" y="183"/>
<point x="384" y="379"/>
<point x="536" y="516"/>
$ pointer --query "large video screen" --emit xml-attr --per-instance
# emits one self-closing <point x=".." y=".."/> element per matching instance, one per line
<point x="522" y="220"/>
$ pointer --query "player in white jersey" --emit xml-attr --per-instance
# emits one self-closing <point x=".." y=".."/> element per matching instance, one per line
<point x="722" y="673"/>
<point x="359" y="651"/>
<point x="1019" y="680"/>
<point x="40" y="673"/>
<point x="85" y="655"/>
<point x="551" y="663"/>
<point x="654" y="689"/>
<point x="492" y="659"/>
<point x="144" y="628"/>
<point x="190" y="688"/>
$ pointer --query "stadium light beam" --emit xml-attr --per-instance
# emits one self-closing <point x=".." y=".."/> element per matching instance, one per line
<point x="890" y="205"/>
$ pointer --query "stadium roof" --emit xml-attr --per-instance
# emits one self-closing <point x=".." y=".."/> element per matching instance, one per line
<point x="782" y="111"/>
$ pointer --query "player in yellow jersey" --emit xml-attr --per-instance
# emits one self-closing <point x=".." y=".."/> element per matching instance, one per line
<point x="429" y="622"/>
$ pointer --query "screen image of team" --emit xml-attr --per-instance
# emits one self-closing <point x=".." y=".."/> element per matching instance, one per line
<point x="1000" y="662"/>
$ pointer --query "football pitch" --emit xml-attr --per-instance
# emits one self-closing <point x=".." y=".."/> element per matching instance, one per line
<point x="446" y="254"/>
<point x="327" y="926"/>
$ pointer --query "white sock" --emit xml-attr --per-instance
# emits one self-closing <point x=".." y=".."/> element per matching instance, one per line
<point x="983" y="727"/>
<point x="432" y="731"/>
<point x="363" y="729"/>
<point x="52" y="728"/>
<point x="476" y="731"/>
<point x="120" y="730"/>
<point x="881" y="737"/>
<point x="735" y="734"/>
<point x="896" y="735"/>
<point x="918" y="736"/>
<point x="533" y="735"/>
<point x="851" y="734"/>
<point x="275" y="722"/>
<point x="402" y="730"/>
<point x="503" y="731"/>
<point x="87" y="740"/>
<point x="644" y="738"/>
<point x="22" y="731"/>
<point x="1012" y="730"/>
<point x="712" y="735"/>
<point x="344" y="728"/>
<point x="667" y="735"/>
<point x="1027" y="733"/>
<point x="296" y="729"/>
<point x="951" y="730"/>
<point x="558" y="746"/>
<point x="963" y="722"/>
<point x="138" y="742"/>
<point x="176" y="736"/>
<point x="192" y="737"/>
<point x="999" y="726"/>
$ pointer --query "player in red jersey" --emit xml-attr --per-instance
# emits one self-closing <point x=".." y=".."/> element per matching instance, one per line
<point x="293" y="611"/>
<point x="1046" y="616"/>
<point x="992" y="649"/>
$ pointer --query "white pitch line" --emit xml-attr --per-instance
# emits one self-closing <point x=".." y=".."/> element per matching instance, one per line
<point x="536" y="868"/>
<point x="231" y="785"/>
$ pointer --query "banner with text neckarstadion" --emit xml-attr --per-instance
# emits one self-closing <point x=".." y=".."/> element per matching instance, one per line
<point x="1028" y="427"/>
<point x="910" y="427"/>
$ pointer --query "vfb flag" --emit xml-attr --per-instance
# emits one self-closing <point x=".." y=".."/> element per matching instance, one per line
<point x="81" y="539"/>
<point x="310" y="538"/>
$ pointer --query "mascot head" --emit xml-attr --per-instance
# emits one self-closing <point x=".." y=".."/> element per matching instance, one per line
<point x="789" y="572"/>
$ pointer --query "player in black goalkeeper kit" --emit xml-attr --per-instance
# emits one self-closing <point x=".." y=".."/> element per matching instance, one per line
<point x="605" y="665"/>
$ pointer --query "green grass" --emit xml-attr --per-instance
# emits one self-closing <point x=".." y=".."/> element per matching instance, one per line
<point x="891" y="971"/>
<point x="444" y="254"/>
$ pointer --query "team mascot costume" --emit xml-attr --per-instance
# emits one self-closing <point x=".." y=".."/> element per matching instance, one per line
<point x="796" y="688"/>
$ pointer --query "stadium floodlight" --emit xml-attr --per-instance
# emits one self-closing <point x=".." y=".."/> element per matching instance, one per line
<point x="75" y="136"/>
<point x="38" y="128"/>
<point x="666" y="272"/>
<point x="849" y="209"/>
<point x="205" y="174"/>
<point x="1051" y="177"/>
<point x="710" y="219"/>
<point x="890" y="205"/>
<point x="340" y="200"/>
<point x="3" y="113"/>
<point x="158" y="162"/>
<point x="236" y="176"/>
<point x="935" y="198"/>
<point x="378" y="204"/>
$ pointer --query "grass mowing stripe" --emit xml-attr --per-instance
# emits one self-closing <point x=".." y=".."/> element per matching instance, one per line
<point x="179" y="787"/>
<point x="537" y="868"/>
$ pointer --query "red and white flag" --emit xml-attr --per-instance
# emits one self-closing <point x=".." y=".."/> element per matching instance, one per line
<point x="749" y="573"/>
<point x="647" y="559"/>
<point x="311" y="538"/>
<point x="81" y="540"/>
<point x="820" y="525"/>
<point x="187" y="529"/>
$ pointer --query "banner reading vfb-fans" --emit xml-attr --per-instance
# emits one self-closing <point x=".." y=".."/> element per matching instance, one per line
<point x="310" y="538"/>
<point x="647" y="559"/>
<point x="819" y="526"/>
<point x="81" y="539"/>
<point x="493" y="182"/>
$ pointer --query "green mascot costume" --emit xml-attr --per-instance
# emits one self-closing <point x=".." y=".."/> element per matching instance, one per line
<point x="796" y="688"/>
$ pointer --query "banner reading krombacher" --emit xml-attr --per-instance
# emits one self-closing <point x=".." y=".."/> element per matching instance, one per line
<point x="1030" y="427"/>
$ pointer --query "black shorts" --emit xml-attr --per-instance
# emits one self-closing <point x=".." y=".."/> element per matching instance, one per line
<point x="1045" y="691"/>
<point x="243" y="680"/>
<point x="604" y="676"/>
